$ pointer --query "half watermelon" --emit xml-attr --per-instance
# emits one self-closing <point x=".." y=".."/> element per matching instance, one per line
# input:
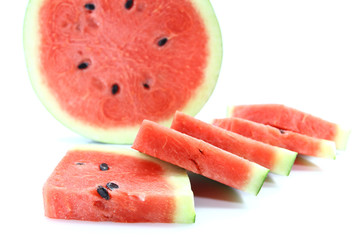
<point x="98" y="183"/>
<point x="101" y="67"/>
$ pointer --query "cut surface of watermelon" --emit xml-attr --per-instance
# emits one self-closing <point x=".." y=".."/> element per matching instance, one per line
<point x="199" y="157"/>
<point x="97" y="183"/>
<point x="296" y="142"/>
<point x="288" y="118"/>
<point x="102" y="68"/>
<point x="278" y="160"/>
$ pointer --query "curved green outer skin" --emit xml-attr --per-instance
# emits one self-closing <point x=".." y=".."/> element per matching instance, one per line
<point x="122" y="134"/>
<point x="175" y="176"/>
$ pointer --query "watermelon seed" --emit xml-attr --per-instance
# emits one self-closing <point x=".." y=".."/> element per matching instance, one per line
<point x="111" y="186"/>
<point x="79" y="163"/>
<point x="162" y="42"/>
<point x="282" y="131"/>
<point x="104" y="167"/>
<point x="129" y="4"/>
<point x="201" y="151"/>
<point x="83" y="65"/>
<point x="90" y="6"/>
<point x="103" y="192"/>
<point x="146" y="85"/>
<point x="115" y="89"/>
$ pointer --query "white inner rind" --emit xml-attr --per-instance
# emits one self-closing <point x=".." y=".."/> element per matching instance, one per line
<point x="284" y="161"/>
<point x="175" y="176"/>
<point x="122" y="134"/>
<point x="342" y="137"/>
<point x="257" y="178"/>
<point x="327" y="149"/>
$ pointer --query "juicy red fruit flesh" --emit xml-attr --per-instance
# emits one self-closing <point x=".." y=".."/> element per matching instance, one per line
<point x="87" y="47"/>
<point x="85" y="192"/>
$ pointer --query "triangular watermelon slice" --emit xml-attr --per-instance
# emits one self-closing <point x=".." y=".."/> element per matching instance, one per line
<point x="101" y="67"/>
<point x="278" y="160"/>
<point x="287" y="118"/>
<point x="199" y="157"/>
<point x="98" y="183"/>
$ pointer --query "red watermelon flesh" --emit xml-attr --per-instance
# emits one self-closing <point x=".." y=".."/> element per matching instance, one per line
<point x="199" y="157"/>
<point x="103" y="184"/>
<point x="285" y="139"/>
<point x="101" y="67"/>
<point x="287" y="118"/>
<point x="278" y="160"/>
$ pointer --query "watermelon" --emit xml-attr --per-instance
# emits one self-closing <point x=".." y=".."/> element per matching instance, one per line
<point x="101" y="67"/>
<point x="287" y="118"/>
<point x="278" y="160"/>
<point x="285" y="139"/>
<point x="199" y="157"/>
<point x="98" y="183"/>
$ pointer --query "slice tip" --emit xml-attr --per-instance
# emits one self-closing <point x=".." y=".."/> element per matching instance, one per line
<point x="259" y="175"/>
<point x="285" y="161"/>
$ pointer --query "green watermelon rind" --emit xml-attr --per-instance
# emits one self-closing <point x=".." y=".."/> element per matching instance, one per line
<point x="175" y="176"/>
<point x="285" y="159"/>
<point x="327" y="149"/>
<point x="259" y="174"/>
<point x="126" y="134"/>
<point x="342" y="137"/>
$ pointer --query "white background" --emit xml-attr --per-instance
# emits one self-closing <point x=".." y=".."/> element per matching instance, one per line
<point x="305" y="54"/>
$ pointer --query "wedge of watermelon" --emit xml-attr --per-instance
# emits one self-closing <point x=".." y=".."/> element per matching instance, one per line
<point x="278" y="160"/>
<point x="285" y="139"/>
<point x="199" y="157"/>
<point x="287" y="118"/>
<point x="97" y="183"/>
<point x="101" y="67"/>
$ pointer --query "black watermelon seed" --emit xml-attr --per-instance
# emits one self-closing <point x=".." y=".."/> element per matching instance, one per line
<point x="103" y="192"/>
<point x="90" y="6"/>
<point x="129" y="4"/>
<point x="83" y="65"/>
<point x="104" y="167"/>
<point x="79" y="163"/>
<point x="146" y="85"/>
<point x="282" y="131"/>
<point x="115" y="89"/>
<point x="111" y="186"/>
<point x="162" y="42"/>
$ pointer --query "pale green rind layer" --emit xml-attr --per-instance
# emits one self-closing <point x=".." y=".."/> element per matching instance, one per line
<point x="257" y="177"/>
<point x="124" y="134"/>
<point x="284" y="161"/>
<point x="176" y="177"/>
<point x="342" y="137"/>
<point x="230" y="111"/>
<point x="327" y="149"/>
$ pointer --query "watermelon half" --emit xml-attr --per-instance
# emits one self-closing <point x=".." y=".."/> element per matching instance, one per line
<point x="101" y="67"/>
<point x="98" y="183"/>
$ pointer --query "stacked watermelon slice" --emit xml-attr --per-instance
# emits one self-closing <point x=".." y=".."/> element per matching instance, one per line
<point x="239" y="152"/>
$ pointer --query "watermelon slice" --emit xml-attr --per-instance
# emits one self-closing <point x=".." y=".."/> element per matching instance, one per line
<point x="287" y="118"/>
<point x="278" y="160"/>
<point x="101" y="67"/>
<point x="199" y="157"/>
<point x="97" y="183"/>
<point x="285" y="139"/>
